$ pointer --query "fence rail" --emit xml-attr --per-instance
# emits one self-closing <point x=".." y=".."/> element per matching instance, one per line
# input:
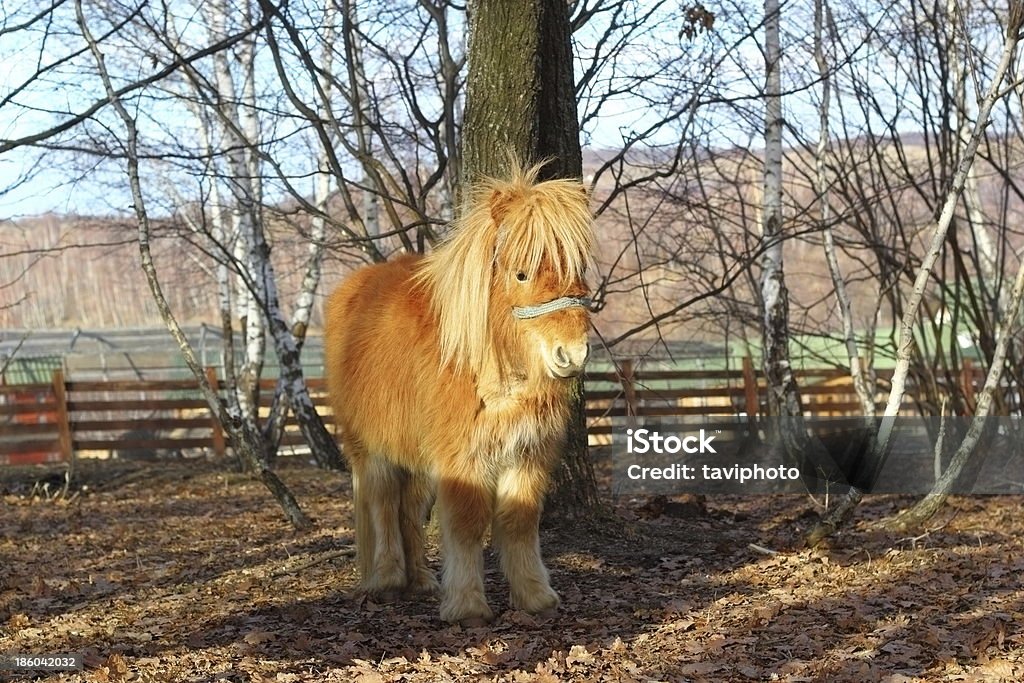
<point x="50" y="422"/>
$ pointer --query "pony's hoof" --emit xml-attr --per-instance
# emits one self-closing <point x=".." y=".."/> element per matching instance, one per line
<point x="424" y="584"/>
<point x="540" y="603"/>
<point x="475" y="612"/>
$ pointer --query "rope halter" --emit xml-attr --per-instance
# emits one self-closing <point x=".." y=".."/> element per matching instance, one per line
<point x="527" y="312"/>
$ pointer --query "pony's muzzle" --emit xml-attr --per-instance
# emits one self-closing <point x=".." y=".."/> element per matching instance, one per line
<point x="568" y="360"/>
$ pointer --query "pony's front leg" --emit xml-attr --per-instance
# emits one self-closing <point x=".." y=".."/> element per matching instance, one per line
<point x="519" y="500"/>
<point x="465" y="512"/>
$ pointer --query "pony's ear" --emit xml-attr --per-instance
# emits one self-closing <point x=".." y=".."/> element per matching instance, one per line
<point x="499" y="202"/>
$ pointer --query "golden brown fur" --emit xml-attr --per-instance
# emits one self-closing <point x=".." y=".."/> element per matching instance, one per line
<point x="440" y="391"/>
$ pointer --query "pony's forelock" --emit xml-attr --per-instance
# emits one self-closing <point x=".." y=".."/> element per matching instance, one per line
<point x="525" y="222"/>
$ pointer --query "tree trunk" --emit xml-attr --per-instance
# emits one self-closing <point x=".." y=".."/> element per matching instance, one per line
<point x="273" y="428"/>
<point x="863" y="384"/>
<point x="976" y="221"/>
<point x="930" y="504"/>
<point x="519" y="91"/>
<point x="520" y="99"/>
<point x="783" y="395"/>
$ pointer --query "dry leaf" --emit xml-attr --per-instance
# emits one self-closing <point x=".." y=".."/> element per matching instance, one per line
<point x="259" y="637"/>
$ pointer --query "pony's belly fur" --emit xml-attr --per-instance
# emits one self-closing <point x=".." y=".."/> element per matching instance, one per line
<point x="515" y="433"/>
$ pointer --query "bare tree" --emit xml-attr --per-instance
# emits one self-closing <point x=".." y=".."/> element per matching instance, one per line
<point x="863" y="383"/>
<point x="922" y="511"/>
<point x="938" y="231"/>
<point x="244" y="438"/>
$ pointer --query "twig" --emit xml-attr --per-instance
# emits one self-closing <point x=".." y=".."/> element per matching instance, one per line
<point x="324" y="557"/>
<point x="7" y="359"/>
<point x="762" y="550"/>
<point x="937" y="456"/>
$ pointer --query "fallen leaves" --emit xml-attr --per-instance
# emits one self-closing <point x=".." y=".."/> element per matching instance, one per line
<point x="220" y="589"/>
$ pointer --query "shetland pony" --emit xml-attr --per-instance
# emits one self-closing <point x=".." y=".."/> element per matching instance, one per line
<point x="449" y="375"/>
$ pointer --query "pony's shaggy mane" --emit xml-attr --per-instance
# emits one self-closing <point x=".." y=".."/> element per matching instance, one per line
<point x="524" y="221"/>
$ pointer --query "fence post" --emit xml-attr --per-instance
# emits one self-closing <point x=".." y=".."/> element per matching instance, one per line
<point x="629" y="390"/>
<point x="60" y="396"/>
<point x="967" y="384"/>
<point x="750" y="389"/>
<point x="219" y="447"/>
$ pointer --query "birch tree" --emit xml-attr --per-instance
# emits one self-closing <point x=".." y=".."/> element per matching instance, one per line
<point x="232" y="118"/>
<point x="863" y="381"/>
<point x="783" y="394"/>
<point x="239" y="430"/>
<point x="273" y="429"/>
<point x="918" y="514"/>
<point x="959" y="61"/>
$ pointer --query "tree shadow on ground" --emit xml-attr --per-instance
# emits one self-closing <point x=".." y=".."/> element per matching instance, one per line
<point x="599" y="573"/>
<point x="217" y="583"/>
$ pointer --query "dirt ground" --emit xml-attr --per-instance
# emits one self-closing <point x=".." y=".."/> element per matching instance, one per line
<point x="185" y="572"/>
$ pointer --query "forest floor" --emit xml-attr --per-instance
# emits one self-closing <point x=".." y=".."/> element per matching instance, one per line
<point x="171" y="571"/>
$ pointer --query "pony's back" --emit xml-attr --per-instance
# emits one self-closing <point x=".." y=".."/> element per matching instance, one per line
<point x="377" y="349"/>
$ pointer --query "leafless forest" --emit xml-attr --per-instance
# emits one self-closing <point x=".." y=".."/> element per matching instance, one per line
<point x="350" y="122"/>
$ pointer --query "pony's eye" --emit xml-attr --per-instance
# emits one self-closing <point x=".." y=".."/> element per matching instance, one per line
<point x="521" y="276"/>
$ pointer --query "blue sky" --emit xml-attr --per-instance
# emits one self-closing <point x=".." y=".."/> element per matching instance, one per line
<point x="65" y="184"/>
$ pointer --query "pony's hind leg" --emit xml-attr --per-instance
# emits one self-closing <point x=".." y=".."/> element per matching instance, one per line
<point x="465" y="511"/>
<point x="515" y="534"/>
<point x="357" y="457"/>
<point x="378" y="492"/>
<point x="417" y="499"/>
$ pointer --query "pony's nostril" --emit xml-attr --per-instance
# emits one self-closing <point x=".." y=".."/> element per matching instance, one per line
<point x="561" y="357"/>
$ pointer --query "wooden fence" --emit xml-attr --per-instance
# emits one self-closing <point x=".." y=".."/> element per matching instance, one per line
<point x="136" y="418"/>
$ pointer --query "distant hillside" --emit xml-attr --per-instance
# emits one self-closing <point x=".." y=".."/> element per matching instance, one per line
<point x="67" y="271"/>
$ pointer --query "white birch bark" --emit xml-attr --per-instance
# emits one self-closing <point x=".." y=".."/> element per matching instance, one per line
<point x="263" y="312"/>
<point x="972" y="199"/>
<point x="244" y="438"/>
<point x="240" y="131"/>
<point x="222" y="234"/>
<point x="783" y="396"/>
<point x="274" y="427"/>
